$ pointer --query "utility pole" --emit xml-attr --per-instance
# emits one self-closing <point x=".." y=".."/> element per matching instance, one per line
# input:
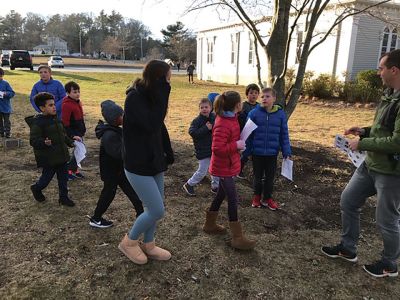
<point x="80" y="41"/>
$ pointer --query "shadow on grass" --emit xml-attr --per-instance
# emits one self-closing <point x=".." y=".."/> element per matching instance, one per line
<point x="74" y="76"/>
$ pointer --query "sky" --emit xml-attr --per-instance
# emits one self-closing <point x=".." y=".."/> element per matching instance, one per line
<point x="155" y="14"/>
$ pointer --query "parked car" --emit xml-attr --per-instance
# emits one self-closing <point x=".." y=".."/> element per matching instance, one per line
<point x="20" y="59"/>
<point x="55" y="61"/>
<point x="5" y="59"/>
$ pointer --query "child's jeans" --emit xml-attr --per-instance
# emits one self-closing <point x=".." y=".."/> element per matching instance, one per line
<point x="264" y="166"/>
<point x="62" y="178"/>
<point x="202" y="172"/>
<point x="5" y="124"/>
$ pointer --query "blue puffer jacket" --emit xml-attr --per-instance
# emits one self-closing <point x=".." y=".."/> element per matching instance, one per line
<point x="5" y="102"/>
<point x="53" y="87"/>
<point x="271" y="135"/>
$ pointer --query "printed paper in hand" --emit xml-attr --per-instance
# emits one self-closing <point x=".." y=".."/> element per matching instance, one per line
<point x="1" y="95"/>
<point x="287" y="169"/>
<point x="356" y="157"/>
<point x="247" y="130"/>
<point x="79" y="152"/>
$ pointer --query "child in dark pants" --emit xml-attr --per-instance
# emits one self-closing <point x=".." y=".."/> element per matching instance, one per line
<point x="49" y="142"/>
<point x="111" y="165"/>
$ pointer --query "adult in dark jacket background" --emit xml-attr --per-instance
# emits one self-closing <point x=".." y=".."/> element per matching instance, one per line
<point x="146" y="153"/>
<point x="111" y="165"/>
<point x="49" y="85"/>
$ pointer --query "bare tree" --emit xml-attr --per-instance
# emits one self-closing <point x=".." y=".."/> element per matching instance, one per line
<point x="284" y="17"/>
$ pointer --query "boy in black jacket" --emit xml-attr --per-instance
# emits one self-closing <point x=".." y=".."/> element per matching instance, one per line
<point x="201" y="132"/>
<point x="111" y="164"/>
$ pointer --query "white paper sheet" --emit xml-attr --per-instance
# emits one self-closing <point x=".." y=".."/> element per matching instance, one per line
<point x="287" y="169"/>
<point x="247" y="129"/>
<point x="356" y="157"/>
<point x="79" y="152"/>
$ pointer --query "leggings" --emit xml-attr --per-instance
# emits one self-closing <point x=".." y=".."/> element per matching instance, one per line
<point x="226" y="189"/>
<point x="150" y="190"/>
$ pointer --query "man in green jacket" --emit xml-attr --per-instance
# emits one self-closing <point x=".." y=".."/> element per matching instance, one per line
<point x="378" y="175"/>
<point x="50" y="144"/>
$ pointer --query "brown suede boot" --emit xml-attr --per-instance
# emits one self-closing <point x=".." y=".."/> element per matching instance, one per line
<point x="132" y="250"/>
<point x="239" y="241"/>
<point x="211" y="226"/>
<point x="154" y="252"/>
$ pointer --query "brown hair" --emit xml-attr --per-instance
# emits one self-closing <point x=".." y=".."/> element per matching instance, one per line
<point x="226" y="102"/>
<point x="153" y="71"/>
<point x="269" y="90"/>
<point x="44" y="67"/>
<point x="204" y="101"/>
<point x="252" y="87"/>
<point x="393" y="59"/>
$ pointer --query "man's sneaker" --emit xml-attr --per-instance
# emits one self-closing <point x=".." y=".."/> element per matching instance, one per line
<point x="381" y="269"/>
<point x="189" y="189"/>
<point x="79" y="175"/>
<point x="37" y="194"/>
<point x="241" y="175"/>
<point x="270" y="203"/>
<point x="339" y="251"/>
<point x="256" y="201"/>
<point x="100" y="223"/>
<point x="214" y="190"/>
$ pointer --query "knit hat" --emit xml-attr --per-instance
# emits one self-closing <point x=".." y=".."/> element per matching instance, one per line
<point x="212" y="96"/>
<point x="111" y="111"/>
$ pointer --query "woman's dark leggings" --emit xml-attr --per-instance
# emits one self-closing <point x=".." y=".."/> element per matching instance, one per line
<point x="264" y="166"/>
<point x="227" y="189"/>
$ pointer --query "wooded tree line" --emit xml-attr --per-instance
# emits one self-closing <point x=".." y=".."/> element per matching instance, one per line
<point x="111" y="34"/>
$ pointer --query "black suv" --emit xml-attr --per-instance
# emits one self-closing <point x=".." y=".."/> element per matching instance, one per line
<point x="20" y="59"/>
<point x="5" y="59"/>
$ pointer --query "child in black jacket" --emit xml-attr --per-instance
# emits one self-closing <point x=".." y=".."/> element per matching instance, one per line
<point x="201" y="132"/>
<point x="111" y="164"/>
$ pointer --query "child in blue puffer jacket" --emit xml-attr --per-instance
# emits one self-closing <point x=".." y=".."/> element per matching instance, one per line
<point x="6" y="93"/>
<point x="264" y="144"/>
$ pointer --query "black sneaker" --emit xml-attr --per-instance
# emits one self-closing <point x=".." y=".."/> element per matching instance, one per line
<point x="8" y="135"/>
<point x="100" y="223"/>
<point x="66" y="202"/>
<point x="189" y="189"/>
<point x="38" y="195"/>
<point x="339" y="251"/>
<point x="380" y="269"/>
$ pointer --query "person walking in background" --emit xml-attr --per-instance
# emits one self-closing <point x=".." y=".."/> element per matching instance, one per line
<point x="201" y="132"/>
<point x="190" y="70"/>
<point x="49" y="141"/>
<point x="225" y="163"/>
<point x="6" y="93"/>
<point x="264" y="144"/>
<point x="111" y="165"/>
<point x="178" y="65"/>
<point x="378" y="175"/>
<point x="49" y="85"/>
<point x="146" y="153"/>
<point x="74" y="123"/>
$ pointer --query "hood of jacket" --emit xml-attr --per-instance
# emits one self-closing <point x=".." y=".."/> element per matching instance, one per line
<point x="102" y="127"/>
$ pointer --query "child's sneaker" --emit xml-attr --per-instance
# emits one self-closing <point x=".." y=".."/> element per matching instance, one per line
<point x="256" y="201"/>
<point x="66" y="202"/>
<point x="71" y="176"/>
<point x="189" y="189"/>
<point x="100" y="223"/>
<point x="380" y="269"/>
<point x="38" y="195"/>
<point x="339" y="251"/>
<point x="214" y="190"/>
<point x="79" y="175"/>
<point x="270" y="203"/>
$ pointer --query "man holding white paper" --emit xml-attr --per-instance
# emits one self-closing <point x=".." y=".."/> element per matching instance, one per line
<point x="378" y="175"/>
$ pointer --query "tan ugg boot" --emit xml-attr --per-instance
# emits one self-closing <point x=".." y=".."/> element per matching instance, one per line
<point x="132" y="250"/>
<point x="211" y="226"/>
<point x="154" y="252"/>
<point x="239" y="241"/>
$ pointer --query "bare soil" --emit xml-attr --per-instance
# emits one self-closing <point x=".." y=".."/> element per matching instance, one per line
<point x="49" y="251"/>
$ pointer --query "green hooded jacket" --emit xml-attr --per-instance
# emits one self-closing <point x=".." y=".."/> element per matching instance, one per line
<point x="382" y="139"/>
<point x="42" y="127"/>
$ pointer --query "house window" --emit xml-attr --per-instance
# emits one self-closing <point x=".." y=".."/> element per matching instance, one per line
<point x="210" y="51"/>
<point x="251" y="50"/>
<point x="389" y="40"/>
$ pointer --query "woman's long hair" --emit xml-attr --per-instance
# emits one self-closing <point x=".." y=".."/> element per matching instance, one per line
<point x="226" y="102"/>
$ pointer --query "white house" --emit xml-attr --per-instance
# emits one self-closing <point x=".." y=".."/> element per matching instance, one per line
<point x="55" y="45"/>
<point x="226" y="54"/>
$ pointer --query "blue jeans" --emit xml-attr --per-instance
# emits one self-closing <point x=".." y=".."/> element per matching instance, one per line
<point x="363" y="184"/>
<point x="62" y="178"/>
<point x="150" y="190"/>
